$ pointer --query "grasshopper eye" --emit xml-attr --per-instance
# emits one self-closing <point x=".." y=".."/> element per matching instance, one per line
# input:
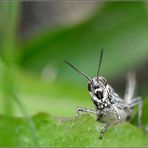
<point x="89" y="86"/>
<point x="96" y="87"/>
<point x="103" y="81"/>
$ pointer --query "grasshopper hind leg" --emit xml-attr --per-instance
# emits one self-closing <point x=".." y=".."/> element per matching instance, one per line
<point x="129" y="94"/>
<point x="130" y="87"/>
<point x="137" y="101"/>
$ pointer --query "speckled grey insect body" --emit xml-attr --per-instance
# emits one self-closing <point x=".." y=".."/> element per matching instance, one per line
<point x="109" y="107"/>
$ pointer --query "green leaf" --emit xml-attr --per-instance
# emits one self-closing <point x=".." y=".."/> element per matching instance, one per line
<point x="8" y="24"/>
<point x="83" y="131"/>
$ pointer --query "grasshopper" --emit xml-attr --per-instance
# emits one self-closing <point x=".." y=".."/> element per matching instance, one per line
<point x="109" y="107"/>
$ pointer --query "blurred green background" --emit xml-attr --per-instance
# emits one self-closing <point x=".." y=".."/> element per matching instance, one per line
<point x="36" y="37"/>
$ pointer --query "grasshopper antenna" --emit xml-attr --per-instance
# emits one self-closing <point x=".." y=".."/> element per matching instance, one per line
<point x="77" y="70"/>
<point x="101" y="56"/>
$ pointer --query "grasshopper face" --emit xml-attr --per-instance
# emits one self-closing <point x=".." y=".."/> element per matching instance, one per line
<point x="99" y="92"/>
<point x="97" y="86"/>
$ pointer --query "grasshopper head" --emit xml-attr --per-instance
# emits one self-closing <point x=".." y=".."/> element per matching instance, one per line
<point x="97" y="86"/>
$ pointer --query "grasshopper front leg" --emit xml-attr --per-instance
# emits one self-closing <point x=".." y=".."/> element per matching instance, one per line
<point x="84" y="110"/>
<point x="110" y="123"/>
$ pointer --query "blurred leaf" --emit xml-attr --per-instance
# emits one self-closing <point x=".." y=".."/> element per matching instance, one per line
<point x="9" y="19"/>
<point x="119" y="27"/>
<point x="9" y="14"/>
<point x="38" y="95"/>
<point x="8" y="22"/>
